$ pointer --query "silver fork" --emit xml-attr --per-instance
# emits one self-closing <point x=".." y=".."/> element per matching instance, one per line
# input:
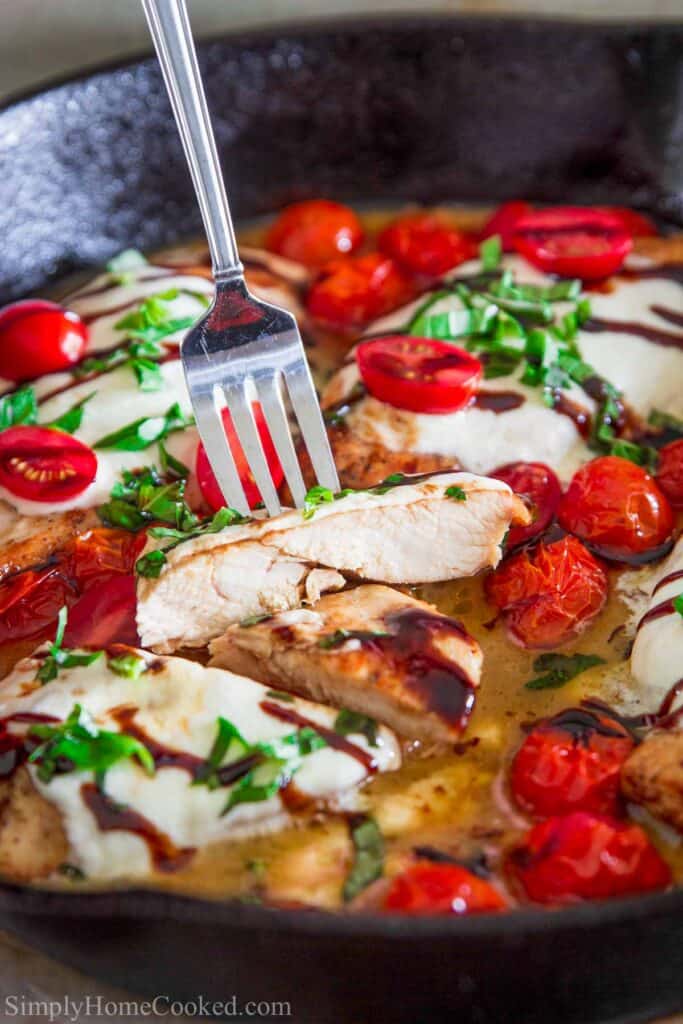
<point x="243" y="349"/>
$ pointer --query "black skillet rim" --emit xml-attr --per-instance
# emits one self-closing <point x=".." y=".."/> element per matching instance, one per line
<point x="148" y="904"/>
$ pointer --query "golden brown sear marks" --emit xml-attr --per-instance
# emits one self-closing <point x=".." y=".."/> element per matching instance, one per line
<point x="33" y="540"/>
<point x="33" y="842"/>
<point x="653" y="777"/>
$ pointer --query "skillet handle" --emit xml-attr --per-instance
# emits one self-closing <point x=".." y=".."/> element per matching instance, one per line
<point x="170" y="29"/>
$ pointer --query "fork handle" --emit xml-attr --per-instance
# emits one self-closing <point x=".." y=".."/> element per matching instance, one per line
<point x="170" y="28"/>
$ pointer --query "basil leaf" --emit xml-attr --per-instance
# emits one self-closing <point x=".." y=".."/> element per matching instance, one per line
<point x="170" y="465"/>
<point x="151" y="564"/>
<point x="457" y="493"/>
<point x="148" y="374"/>
<point x="263" y="782"/>
<point x="130" y="666"/>
<point x="122" y="514"/>
<point x="18" y="407"/>
<point x="678" y="604"/>
<point x="560" y="668"/>
<point x="229" y="745"/>
<point x="316" y="496"/>
<point x="491" y="252"/>
<point x="665" y="421"/>
<point x="286" y="698"/>
<point x="368" y="857"/>
<point x="71" y="420"/>
<point x="253" y="620"/>
<point x="58" y="658"/>
<point x="142" y="433"/>
<point x="129" y="259"/>
<point x="349" y="722"/>
<point x="152" y="320"/>
<point x="641" y="455"/>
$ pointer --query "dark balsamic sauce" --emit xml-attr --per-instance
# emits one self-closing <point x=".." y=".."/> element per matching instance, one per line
<point x="112" y="817"/>
<point x="658" y="612"/>
<point x="164" y="757"/>
<point x="498" y="401"/>
<point x="332" y="738"/>
<point x="654" y="334"/>
<point x="15" y="748"/>
<point x="671" y="578"/>
<point x="665" y="271"/>
<point x="668" y="314"/>
<point x="621" y="557"/>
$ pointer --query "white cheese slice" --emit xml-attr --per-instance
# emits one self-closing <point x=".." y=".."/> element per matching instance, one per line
<point x="657" y="656"/>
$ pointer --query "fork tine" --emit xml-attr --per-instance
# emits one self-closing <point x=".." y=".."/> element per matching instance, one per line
<point x="245" y="427"/>
<point x="270" y="397"/>
<point x="307" y="410"/>
<point x="212" y="433"/>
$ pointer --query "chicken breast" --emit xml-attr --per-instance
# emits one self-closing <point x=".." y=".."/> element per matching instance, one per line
<point x="657" y="656"/>
<point x="32" y="540"/>
<point x="371" y="649"/>
<point x="653" y="776"/>
<point x="440" y="528"/>
<point x="184" y="755"/>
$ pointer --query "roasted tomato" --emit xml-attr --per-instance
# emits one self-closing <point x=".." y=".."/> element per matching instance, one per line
<point x="573" y="241"/>
<point x="38" y="337"/>
<point x="314" y="232"/>
<point x="425" y="244"/>
<point x="99" y="554"/>
<point x="30" y="602"/>
<point x="104" y="615"/>
<point x="539" y="486"/>
<point x="418" y="373"/>
<point x="549" y="594"/>
<point x="350" y="293"/>
<point x="41" y="464"/>
<point x="208" y="484"/>
<point x="670" y="471"/>
<point x="582" y="856"/>
<point x="430" y="888"/>
<point x="617" y="508"/>
<point x="637" y="224"/>
<point x="571" y="762"/>
<point x="504" y="221"/>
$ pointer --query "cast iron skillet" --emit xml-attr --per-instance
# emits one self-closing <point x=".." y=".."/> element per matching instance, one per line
<point x="387" y="110"/>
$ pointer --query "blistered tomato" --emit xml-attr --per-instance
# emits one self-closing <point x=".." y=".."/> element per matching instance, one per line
<point x="431" y="888"/>
<point x="350" y="293"/>
<point x="425" y="244"/>
<point x="314" y="232"/>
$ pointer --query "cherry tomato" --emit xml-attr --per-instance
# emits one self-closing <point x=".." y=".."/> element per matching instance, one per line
<point x="104" y="615"/>
<point x="38" y="337"/>
<point x="420" y="374"/>
<point x="314" y="232"/>
<point x="540" y="487"/>
<point x="41" y="464"/>
<point x="571" y="762"/>
<point x="208" y="484"/>
<point x="617" y="507"/>
<point x="424" y="244"/>
<point x="549" y="594"/>
<point x="636" y="224"/>
<point x="430" y="888"/>
<point x="101" y="553"/>
<point x="350" y="293"/>
<point x="586" y="856"/>
<point x="573" y="241"/>
<point x="504" y="221"/>
<point x="670" y="471"/>
<point x="30" y="602"/>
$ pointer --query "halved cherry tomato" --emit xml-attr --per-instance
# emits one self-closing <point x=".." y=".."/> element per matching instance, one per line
<point x="38" y="337"/>
<point x="30" y="602"/>
<point x="104" y="552"/>
<point x="573" y="241"/>
<point x="504" y="220"/>
<point x="315" y="231"/>
<point x="104" y="615"/>
<point x="571" y="762"/>
<point x="425" y="244"/>
<point x="586" y="856"/>
<point x="637" y="224"/>
<point x="41" y="464"/>
<point x="670" y="471"/>
<point x="350" y="293"/>
<point x="617" y="508"/>
<point x="208" y="484"/>
<point x="549" y="594"/>
<point x="537" y="483"/>
<point x="430" y="888"/>
<point x="420" y="374"/>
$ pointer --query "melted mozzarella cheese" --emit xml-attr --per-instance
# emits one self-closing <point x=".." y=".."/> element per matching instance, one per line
<point x="178" y="705"/>
<point x="657" y="656"/>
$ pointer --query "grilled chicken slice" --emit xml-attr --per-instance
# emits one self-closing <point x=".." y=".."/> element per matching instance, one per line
<point x="370" y="649"/>
<point x="657" y="656"/>
<point x="440" y="528"/>
<point x="155" y="813"/>
<point x="653" y="776"/>
<point x="32" y="540"/>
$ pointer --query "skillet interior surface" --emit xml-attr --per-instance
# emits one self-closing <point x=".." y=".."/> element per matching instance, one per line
<point x="421" y="109"/>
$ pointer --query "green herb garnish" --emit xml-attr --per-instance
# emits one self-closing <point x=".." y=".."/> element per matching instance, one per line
<point x="457" y="493"/>
<point x="59" y="657"/>
<point x="558" y="669"/>
<point x="678" y="604"/>
<point x="665" y="421"/>
<point x="349" y="722"/>
<point x="315" y="497"/>
<point x="368" y="857"/>
<point x="491" y="252"/>
<point x="152" y="320"/>
<point x="253" y="620"/>
<point x="121" y="267"/>
<point x="18" y="407"/>
<point x="142" y="433"/>
<point x="71" y="420"/>
<point x="152" y="563"/>
<point x="130" y="665"/>
<point x="287" y="698"/>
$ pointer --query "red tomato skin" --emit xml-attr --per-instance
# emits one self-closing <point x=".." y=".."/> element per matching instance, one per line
<point x="565" y="764"/>
<point x="39" y="337"/>
<point x="670" y="472"/>
<point x="617" y="507"/>
<point x="349" y="294"/>
<point x="391" y="369"/>
<point x="538" y="484"/>
<point x="30" y="602"/>
<point x="573" y="241"/>
<point x="104" y="552"/>
<point x="503" y="222"/>
<point x="104" y="615"/>
<point x="32" y="460"/>
<point x="637" y="224"/>
<point x="314" y="232"/>
<point x="549" y="594"/>
<point x="424" y="244"/>
<point x="582" y="856"/>
<point x="427" y="888"/>
<point x="208" y="484"/>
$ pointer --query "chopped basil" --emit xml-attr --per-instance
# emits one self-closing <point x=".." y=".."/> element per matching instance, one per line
<point x="253" y="620"/>
<point x="152" y="563"/>
<point x="229" y="744"/>
<point x="71" y="420"/>
<point x="71" y="871"/>
<point x="491" y="252"/>
<point x="143" y="497"/>
<point x="368" y="857"/>
<point x="17" y="408"/>
<point x="678" y="604"/>
<point x="389" y="482"/>
<point x="558" y="669"/>
<point x="121" y="267"/>
<point x="316" y="496"/>
<point x="170" y="465"/>
<point x="340" y="636"/>
<point x="642" y="455"/>
<point x="457" y="493"/>
<point x="141" y="356"/>
<point x="142" y="433"/>
<point x="58" y="657"/>
<point x="665" y="421"/>
<point x="130" y="666"/>
<point x="349" y="722"/>
<point x="152" y="320"/>
<point x="287" y="698"/>
<point x="79" y="745"/>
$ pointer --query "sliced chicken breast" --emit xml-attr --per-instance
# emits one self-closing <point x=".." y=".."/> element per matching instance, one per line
<point x="440" y="528"/>
<point x="657" y="656"/>
<point x="653" y="776"/>
<point x="371" y="649"/>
